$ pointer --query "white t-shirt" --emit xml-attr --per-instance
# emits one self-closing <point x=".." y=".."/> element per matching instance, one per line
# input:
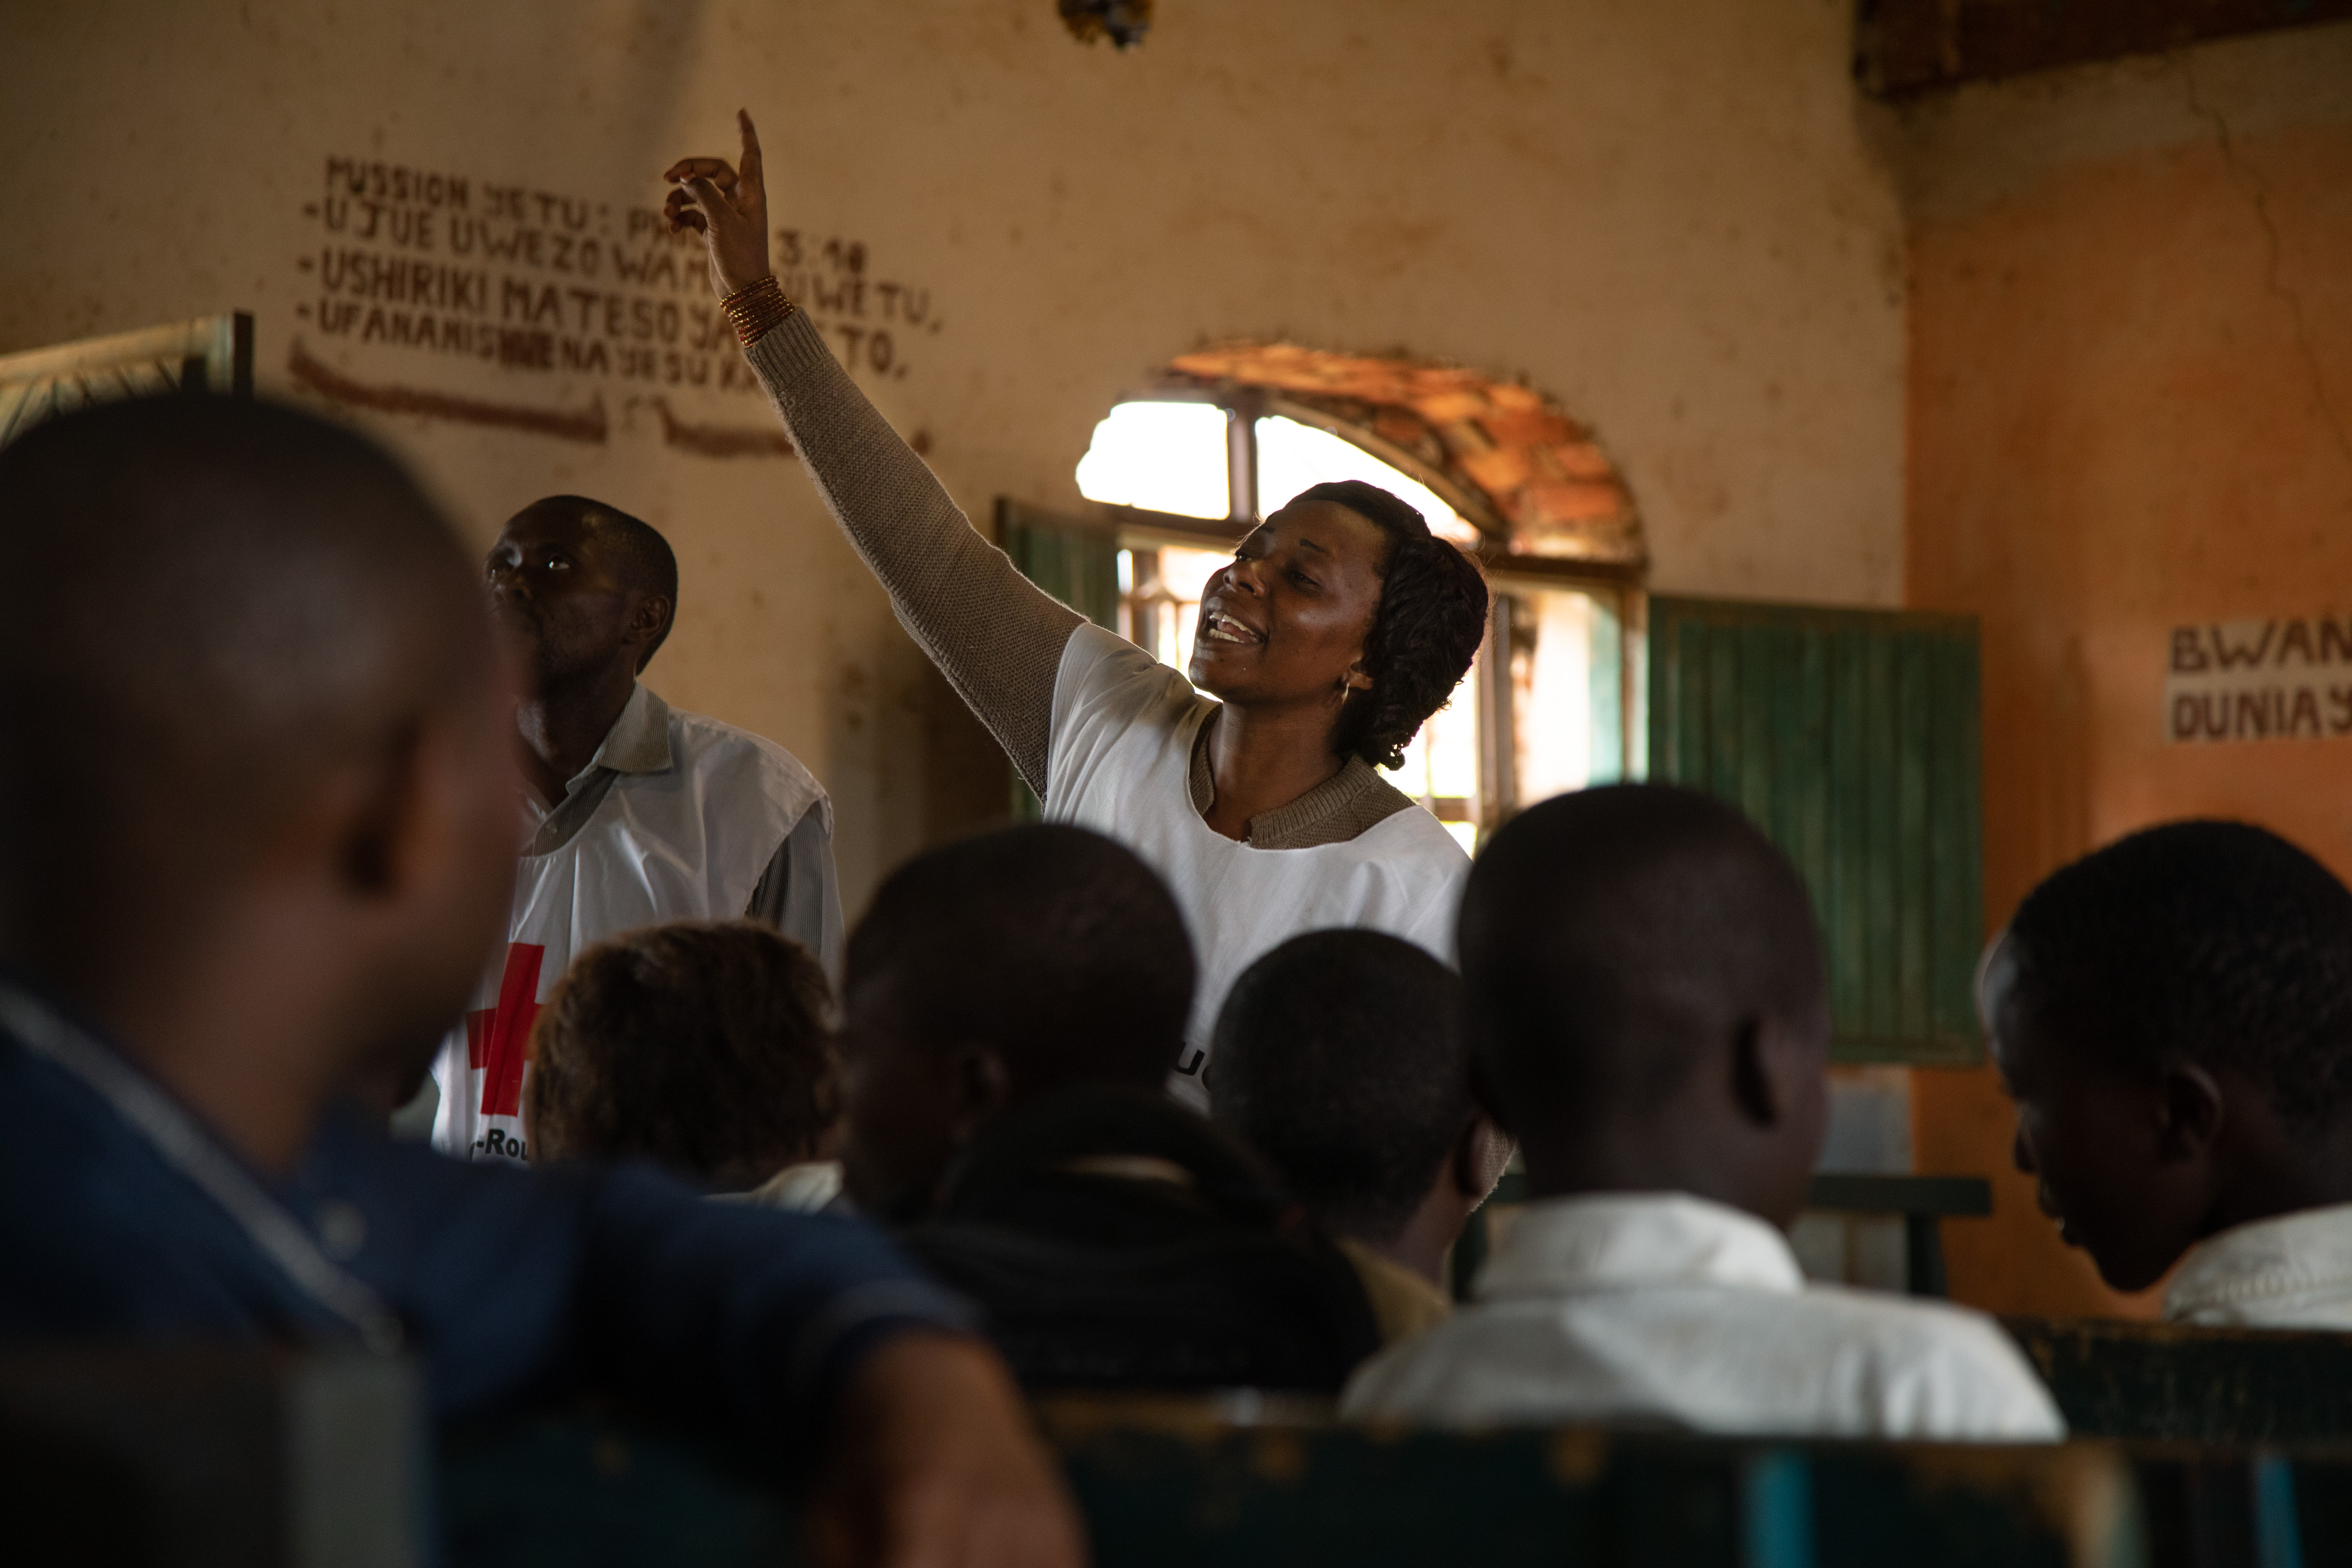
<point x="2291" y="1272"/>
<point x="1661" y="1308"/>
<point x="1121" y="762"/>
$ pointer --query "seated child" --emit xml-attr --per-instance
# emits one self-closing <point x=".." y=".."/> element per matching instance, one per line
<point x="1340" y="1058"/>
<point x="2173" y="1016"/>
<point x="1647" y="1016"/>
<point x="699" y="1047"/>
<point x="1015" y="1002"/>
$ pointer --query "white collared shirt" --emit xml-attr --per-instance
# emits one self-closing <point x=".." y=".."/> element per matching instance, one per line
<point x="1665" y="1309"/>
<point x="796" y="893"/>
<point x="677" y="817"/>
<point x="2290" y="1272"/>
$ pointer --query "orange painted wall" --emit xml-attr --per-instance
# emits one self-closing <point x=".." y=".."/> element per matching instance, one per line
<point x="2130" y="409"/>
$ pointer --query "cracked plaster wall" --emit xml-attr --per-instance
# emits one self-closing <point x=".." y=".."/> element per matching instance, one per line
<point x="2130" y="379"/>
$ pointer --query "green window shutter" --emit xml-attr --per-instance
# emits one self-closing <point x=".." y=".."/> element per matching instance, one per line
<point x="1076" y="562"/>
<point x="1850" y="737"/>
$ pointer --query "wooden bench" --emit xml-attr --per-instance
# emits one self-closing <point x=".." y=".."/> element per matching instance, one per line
<point x="194" y="1458"/>
<point x="2160" y="1382"/>
<point x="197" y="1457"/>
<point x="1160" y="1491"/>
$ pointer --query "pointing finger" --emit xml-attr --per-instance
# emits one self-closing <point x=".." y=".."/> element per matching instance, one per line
<point x="751" y="165"/>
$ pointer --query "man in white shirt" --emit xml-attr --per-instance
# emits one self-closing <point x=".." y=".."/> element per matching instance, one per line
<point x="2173" y="1016"/>
<point x="1647" y="1015"/>
<point x="635" y="813"/>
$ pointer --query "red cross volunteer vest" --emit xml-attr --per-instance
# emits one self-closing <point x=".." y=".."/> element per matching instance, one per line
<point x="689" y="843"/>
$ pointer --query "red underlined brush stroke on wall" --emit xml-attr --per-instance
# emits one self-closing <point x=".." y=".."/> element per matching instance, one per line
<point x="2284" y="679"/>
<point x="588" y="425"/>
<point x="716" y="440"/>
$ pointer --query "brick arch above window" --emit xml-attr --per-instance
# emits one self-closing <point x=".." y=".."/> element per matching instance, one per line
<point x="1508" y="458"/>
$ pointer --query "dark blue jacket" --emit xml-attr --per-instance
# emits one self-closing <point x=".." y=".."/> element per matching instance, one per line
<point x="516" y="1285"/>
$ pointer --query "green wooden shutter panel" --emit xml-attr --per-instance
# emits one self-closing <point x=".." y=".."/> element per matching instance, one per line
<point x="1850" y="737"/>
<point x="1076" y="563"/>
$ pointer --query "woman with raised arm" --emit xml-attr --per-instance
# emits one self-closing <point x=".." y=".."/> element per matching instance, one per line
<point x="1341" y="624"/>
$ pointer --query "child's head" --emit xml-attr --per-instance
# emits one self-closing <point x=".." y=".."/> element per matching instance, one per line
<point x="1340" y="1058"/>
<point x="1645" y="999"/>
<point x="2173" y="1016"/>
<point x="990" y="973"/>
<point x="702" y="1047"/>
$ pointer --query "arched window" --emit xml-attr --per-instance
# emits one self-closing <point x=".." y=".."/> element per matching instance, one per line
<point x="1182" y="467"/>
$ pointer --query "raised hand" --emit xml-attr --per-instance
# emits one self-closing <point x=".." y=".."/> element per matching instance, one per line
<point x="728" y="206"/>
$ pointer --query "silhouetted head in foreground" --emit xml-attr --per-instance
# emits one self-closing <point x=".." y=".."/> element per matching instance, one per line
<point x="263" y="827"/>
<point x="1339" y="1058"/>
<point x="990" y="973"/>
<point x="1645" y="1000"/>
<point x="700" y="1047"/>
<point x="2173" y="1016"/>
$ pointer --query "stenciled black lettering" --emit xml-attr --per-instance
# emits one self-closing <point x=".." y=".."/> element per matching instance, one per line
<point x="2306" y="706"/>
<point x="2185" y="715"/>
<point x="2234" y="656"/>
<point x="2188" y="655"/>
<point x="2335" y="640"/>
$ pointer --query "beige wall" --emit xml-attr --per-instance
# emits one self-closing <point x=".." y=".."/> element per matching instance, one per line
<point x="2130" y="413"/>
<point x="1666" y="215"/>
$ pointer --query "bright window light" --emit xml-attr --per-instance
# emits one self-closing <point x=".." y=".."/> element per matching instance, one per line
<point x="1565" y="697"/>
<point x="1162" y="457"/>
<point x="1441" y="765"/>
<point x="1291" y="456"/>
<point x="1162" y="589"/>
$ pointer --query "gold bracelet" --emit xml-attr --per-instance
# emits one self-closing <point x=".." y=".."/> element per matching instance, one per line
<point x="756" y="309"/>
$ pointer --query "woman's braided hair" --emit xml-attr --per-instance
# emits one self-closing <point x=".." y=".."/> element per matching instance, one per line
<point x="1430" y="619"/>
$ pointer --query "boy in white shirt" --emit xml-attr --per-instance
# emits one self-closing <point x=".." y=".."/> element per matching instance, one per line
<point x="2173" y="1016"/>
<point x="1647" y="1016"/>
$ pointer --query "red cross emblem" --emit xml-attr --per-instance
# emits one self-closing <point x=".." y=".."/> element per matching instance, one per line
<point x="499" y="1039"/>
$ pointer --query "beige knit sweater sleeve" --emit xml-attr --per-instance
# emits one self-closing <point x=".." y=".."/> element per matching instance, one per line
<point x="997" y="637"/>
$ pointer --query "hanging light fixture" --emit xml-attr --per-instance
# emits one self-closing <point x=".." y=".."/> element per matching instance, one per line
<point x="1123" y="22"/>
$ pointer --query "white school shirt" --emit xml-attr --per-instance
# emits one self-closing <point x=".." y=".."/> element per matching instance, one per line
<point x="1121" y="762"/>
<point x="2290" y="1272"/>
<point x="692" y="817"/>
<point x="1665" y="1309"/>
